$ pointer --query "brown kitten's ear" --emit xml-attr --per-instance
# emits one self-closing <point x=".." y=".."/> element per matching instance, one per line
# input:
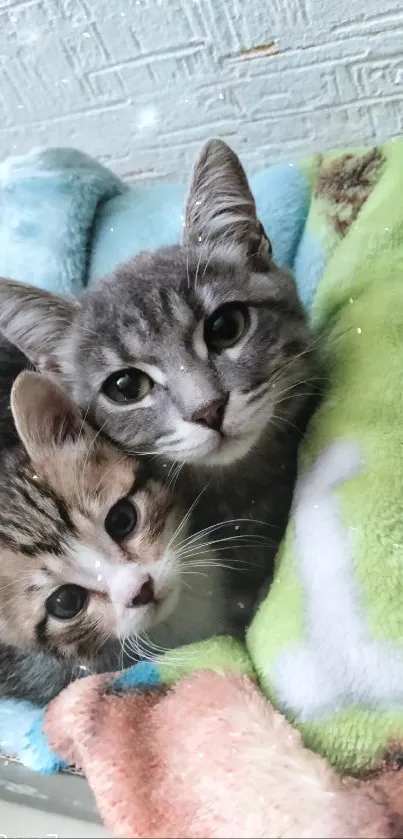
<point x="220" y="208"/>
<point x="44" y="415"/>
<point x="35" y="320"/>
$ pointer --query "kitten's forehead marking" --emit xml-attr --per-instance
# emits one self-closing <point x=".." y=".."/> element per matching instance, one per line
<point x="212" y="297"/>
<point x="182" y="311"/>
<point x="208" y="298"/>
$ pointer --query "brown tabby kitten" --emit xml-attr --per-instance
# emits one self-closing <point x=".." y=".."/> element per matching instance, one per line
<point x="89" y="546"/>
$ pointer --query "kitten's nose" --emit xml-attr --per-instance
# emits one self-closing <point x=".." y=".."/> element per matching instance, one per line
<point x="145" y="595"/>
<point x="212" y="414"/>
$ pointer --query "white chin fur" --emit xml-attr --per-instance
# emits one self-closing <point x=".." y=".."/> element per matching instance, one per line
<point x="218" y="451"/>
<point x="230" y="451"/>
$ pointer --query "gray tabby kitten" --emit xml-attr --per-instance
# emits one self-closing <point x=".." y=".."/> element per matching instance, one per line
<point x="92" y="547"/>
<point x="198" y="353"/>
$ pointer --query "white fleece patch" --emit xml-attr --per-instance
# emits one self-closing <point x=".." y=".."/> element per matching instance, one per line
<point x="337" y="664"/>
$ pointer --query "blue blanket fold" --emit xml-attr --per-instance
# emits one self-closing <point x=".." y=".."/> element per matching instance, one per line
<point x="49" y="200"/>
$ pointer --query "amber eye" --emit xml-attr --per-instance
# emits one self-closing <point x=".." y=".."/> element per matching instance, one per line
<point x="225" y="327"/>
<point x="130" y="385"/>
<point x="121" y="520"/>
<point x="66" y="602"/>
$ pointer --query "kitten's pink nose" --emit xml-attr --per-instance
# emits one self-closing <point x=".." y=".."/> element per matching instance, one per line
<point x="145" y="595"/>
<point x="212" y="414"/>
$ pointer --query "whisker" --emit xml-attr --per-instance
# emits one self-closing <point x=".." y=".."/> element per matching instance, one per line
<point x="224" y="565"/>
<point x="175" y="481"/>
<point x="91" y="444"/>
<point x="310" y="347"/>
<point x="77" y="450"/>
<point x="171" y="470"/>
<point x="212" y="554"/>
<point x="133" y="645"/>
<point x="295" y="396"/>
<point x="175" y="475"/>
<point x="187" y="265"/>
<point x="186" y="517"/>
<point x="293" y="386"/>
<point x="85" y="329"/>
<point x="208" y="261"/>
<point x="144" y="453"/>
<point x="182" y="659"/>
<point x="193" y="537"/>
<point x="203" y="249"/>
<point x="212" y="549"/>
<point x="129" y="653"/>
<point x="287" y="421"/>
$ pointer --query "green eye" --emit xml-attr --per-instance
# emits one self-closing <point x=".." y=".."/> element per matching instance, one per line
<point x="130" y="385"/>
<point x="225" y="327"/>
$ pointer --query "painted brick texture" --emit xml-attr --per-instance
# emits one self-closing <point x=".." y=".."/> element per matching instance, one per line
<point x="141" y="83"/>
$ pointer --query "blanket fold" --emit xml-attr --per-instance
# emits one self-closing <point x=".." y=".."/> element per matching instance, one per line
<point x="209" y="757"/>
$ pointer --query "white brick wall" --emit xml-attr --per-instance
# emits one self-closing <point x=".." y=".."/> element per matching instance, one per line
<point x="141" y="83"/>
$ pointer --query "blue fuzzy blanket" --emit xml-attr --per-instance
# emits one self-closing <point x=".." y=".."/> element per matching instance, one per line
<point x="65" y="221"/>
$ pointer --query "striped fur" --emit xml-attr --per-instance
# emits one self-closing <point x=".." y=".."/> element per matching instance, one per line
<point x="59" y="478"/>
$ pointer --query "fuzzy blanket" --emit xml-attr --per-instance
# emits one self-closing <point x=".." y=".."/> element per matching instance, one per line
<point x="192" y="745"/>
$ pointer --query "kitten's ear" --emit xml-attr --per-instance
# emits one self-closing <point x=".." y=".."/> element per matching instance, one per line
<point x="43" y="414"/>
<point x="220" y="208"/>
<point x="35" y="320"/>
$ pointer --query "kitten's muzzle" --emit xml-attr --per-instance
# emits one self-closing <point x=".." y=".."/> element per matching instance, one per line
<point x="145" y="595"/>
<point x="212" y="414"/>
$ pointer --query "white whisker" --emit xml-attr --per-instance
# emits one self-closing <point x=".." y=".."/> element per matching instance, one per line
<point x="186" y="517"/>
<point x="193" y="537"/>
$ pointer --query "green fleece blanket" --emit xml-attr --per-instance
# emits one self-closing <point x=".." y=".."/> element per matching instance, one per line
<point x="328" y="642"/>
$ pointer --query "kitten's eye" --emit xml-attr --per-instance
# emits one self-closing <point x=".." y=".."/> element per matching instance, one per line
<point x="66" y="602"/>
<point x="226" y="326"/>
<point x="130" y="385"/>
<point x="121" y="520"/>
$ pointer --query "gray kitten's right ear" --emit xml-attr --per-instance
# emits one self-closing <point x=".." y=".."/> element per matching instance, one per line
<point x="220" y="208"/>
<point x="35" y="320"/>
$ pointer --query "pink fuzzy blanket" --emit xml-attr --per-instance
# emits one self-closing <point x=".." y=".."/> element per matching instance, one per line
<point x="209" y="757"/>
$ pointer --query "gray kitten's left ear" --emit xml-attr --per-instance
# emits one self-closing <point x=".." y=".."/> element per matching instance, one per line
<point x="43" y="414"/>
<point x="36" y="321"/>
<point x="220" y="208"/>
